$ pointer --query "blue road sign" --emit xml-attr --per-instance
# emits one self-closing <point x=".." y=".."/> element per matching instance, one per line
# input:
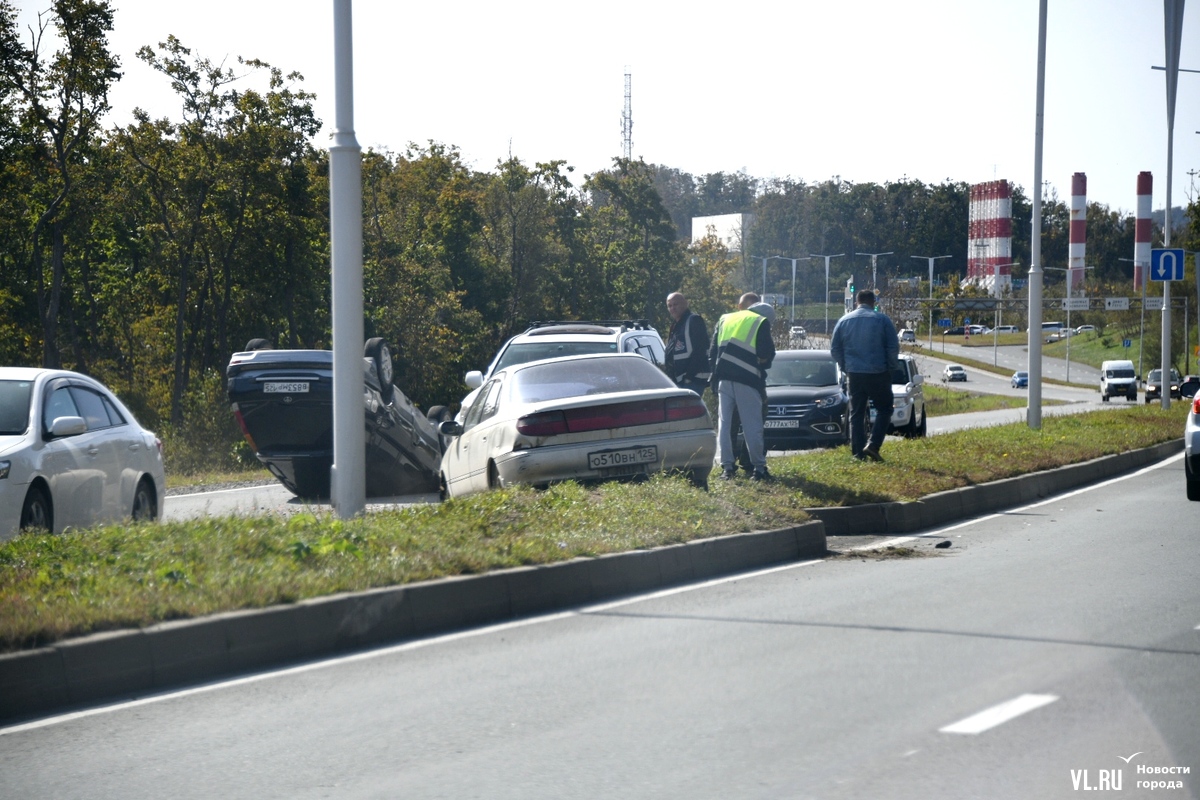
<point x="967" y="321"/>
<point x="1166" y="264"/>
<point x="1127" y="343"/>
<point x="945" y="323"/>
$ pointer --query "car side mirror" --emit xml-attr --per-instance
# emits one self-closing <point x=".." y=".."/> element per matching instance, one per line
<point x="918" y="379"/>
<point x="67" y="426"/>
<point x="473" y="379"/>
<point x="450" y="428"/>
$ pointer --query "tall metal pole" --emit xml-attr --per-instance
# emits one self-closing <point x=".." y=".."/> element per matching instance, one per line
<point x="1173" y="31"/>
<point x="794" y="260"/>
<point x="1034" y="411"/>
<point x="874" y="256"/>
<point x="348" y="475"/>
<point x="827" y="258"/>
<point x="930" y="259"/>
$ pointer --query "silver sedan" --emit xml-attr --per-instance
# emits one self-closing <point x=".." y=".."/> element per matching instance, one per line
<point x="72" y="455"/>
<point x="595" y="417"/>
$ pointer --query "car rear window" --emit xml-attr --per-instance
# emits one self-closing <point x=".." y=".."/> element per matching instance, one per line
<point x="585" y="377"/>
<point x="524" y="352"/>
<point x="14" y="407"/>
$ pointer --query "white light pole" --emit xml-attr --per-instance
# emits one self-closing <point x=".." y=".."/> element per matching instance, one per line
<point x="348" y="475"/>
<point x="930" y="259"/>
<point x="794" y="260"/>
<point x="765" y="259"/>
<point x="997" y="316"/>
<point x="1067" y="298"/>
<point x="1173" y="30"/>
<point x="818" y="255"/>
<point x="874" y="257"/>
<point x="1033" y="412"/>
<point x="1145" y="265"/>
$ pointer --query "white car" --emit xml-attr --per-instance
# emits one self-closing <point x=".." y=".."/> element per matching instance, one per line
<point x="558" y="338"/>
<point x="908" y="401"/>
<point x="594" y="417"/>
<point x="72" y="455"/>
<point x="954" y="372"/>
<point x="1191" y="450"/>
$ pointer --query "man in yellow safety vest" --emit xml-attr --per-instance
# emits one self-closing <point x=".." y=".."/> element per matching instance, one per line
<point x="741" y="352"/>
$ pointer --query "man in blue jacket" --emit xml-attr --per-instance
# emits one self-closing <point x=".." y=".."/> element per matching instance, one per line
<point x="865" y="346"/>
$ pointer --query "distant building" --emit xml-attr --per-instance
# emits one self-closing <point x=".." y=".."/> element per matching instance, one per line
<point x="731" y="229"/>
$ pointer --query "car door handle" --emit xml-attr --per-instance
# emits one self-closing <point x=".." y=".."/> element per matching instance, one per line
<point x="93" y="451"/>
<point x="135" y="447"/>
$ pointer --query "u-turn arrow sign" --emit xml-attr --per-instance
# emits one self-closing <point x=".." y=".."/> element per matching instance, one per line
<point x="1166" y="264"/>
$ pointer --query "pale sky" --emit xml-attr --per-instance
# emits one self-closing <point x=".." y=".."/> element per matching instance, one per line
<point x="876" y="90"/>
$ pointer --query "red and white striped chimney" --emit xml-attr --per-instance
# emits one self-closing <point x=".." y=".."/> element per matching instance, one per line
<point x="1141" y="235"/>
<point x="1078" y="241"/>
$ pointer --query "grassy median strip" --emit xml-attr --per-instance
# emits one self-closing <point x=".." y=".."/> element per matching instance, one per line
<point x="52" y="587"/>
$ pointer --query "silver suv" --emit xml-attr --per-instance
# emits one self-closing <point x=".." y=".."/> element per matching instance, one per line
<point x="551" y="339"/>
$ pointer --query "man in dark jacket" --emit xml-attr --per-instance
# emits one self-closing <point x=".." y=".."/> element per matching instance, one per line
<point x="742" y="350"/>
<point x="687" y="361"/>
<point x="865" y="346"/>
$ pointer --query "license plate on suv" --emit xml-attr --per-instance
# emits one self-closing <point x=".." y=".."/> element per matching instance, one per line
<point x="285" y="388"/>
<point x="610" y="459"/>
<point x="781" y="423"/>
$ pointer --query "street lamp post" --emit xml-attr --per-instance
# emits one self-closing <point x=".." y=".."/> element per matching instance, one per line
<point x="997" y="317"/>
<point x="765" y="259"/>
<point x="930" y="259"/>
<point x="1070" y="332"/>
<point x="817" y="255"/>
<point x="1142" y="335"/>
<point x="874" y="257"/>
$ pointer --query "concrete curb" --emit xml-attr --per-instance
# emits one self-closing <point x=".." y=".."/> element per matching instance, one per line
<point x="104" y="666"/>
<point x="970" y="501"/>
<point x="116" y="664"/>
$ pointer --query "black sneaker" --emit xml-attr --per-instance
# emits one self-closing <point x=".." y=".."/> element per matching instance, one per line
<point x="728" y="474"/>
<point x="760" y="475"/>
<point x="872" y="454"/>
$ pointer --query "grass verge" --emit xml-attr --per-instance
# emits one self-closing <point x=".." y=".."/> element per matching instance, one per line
<point x="940" y="401"/>
<point x="120" y="576"/>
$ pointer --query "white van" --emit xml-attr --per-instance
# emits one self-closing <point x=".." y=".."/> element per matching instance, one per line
<point x="1007" y="329"/>
<point x="1117" y="379"/>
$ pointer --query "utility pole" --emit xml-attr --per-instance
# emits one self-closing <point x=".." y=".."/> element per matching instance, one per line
<point x="874" y="257"/>
<point x="827" y="258"/>
<point x="930" y="259"/>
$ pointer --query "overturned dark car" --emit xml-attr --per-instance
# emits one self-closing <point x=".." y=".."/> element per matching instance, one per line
<point x="283" y="401"/>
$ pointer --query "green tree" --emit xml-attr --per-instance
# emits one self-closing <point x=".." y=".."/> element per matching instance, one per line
<point x="60" y="98"/>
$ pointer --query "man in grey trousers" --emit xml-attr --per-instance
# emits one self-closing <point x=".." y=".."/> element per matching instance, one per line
<point x="865" y="346"/>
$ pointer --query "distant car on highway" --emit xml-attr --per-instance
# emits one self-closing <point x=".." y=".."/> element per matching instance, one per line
<point x="907" y="335"/>
<point x="72" y="455"/>
<point x="1007" y="329"/>
<point x="954" y="372"/>
<point x="1020" y="380"/>
<point x="959" y="331"/>
<point x="1085" y="329"/>
<point x="1155" y="385"/>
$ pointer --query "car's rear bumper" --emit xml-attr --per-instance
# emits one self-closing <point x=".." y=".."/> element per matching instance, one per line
<point x="693" y="449"/>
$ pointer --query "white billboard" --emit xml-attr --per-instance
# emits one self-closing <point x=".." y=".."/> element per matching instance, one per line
<point x="730" y="229"/>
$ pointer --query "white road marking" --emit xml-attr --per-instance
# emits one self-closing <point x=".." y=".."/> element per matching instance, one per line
<point x="399" y="648"/>
<point x="999" y="714"/>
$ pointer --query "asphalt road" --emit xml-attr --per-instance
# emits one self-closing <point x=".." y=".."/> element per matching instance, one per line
<point x="850" y="677"/>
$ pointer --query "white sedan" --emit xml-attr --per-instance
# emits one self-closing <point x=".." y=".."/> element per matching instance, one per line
<point x="954" y="372"/>
<point x="593" y="417"/>
<point x="72" y="455"/>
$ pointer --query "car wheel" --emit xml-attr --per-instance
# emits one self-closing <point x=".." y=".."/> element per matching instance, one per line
<point x="1131" y="397"/>
<point x="1103" y="397"/>
<point x="144" y="508"/>
<point x="443" y="488"/>
<point x="1193" y="482"/>
<point x="698" y="477"/>
<point x="36" y="511"/>
<point x="377" y="350"/>
<point x="258" y="344"/>
<point x="494" y="479"/>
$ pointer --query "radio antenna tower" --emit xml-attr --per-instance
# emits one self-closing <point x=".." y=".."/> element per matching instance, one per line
<point x="627" y="117"/>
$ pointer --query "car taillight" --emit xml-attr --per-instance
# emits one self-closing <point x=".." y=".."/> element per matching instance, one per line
<point x="685" y="408"/>
<point x="1196" y="404"/>
<point x="547" y="423"/>
<point x="615" y="415"/>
